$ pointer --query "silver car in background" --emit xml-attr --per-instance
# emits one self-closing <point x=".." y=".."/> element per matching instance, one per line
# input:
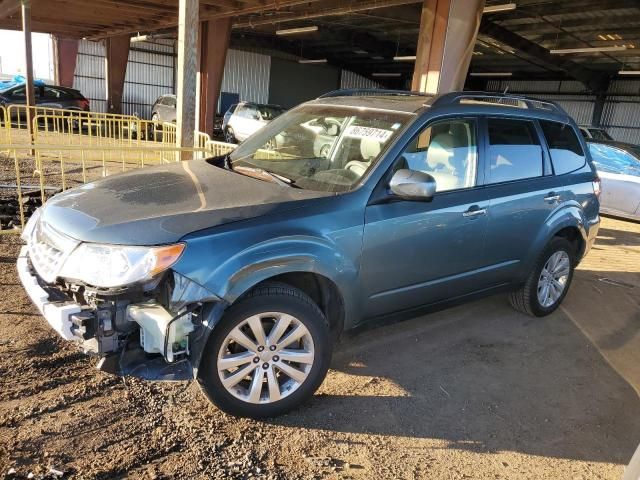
<point x="618" y="166"/>
<point x="245" y="118"/>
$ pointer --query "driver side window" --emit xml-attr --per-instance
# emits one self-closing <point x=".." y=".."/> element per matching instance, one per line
<point x="448" y="151"/>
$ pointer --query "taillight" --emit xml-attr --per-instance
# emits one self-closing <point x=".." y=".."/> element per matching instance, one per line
<point x="597" y="187"/>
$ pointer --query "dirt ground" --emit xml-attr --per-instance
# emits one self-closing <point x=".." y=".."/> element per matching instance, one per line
<point x="477" y="391"/>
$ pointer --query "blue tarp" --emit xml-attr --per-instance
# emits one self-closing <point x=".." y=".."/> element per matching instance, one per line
<point x="19" y="80"/>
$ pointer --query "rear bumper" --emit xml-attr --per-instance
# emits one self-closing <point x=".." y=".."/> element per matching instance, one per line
<point x="57" y="314"/>
<point x="592" y="232"/>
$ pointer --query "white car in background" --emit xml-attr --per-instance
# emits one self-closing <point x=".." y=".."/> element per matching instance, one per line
<point x="246" y="118"/>
<point x="618" y="166"/>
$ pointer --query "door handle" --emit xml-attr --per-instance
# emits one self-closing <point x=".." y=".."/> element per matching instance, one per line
<point x="552" y="197"/>
<point x="474" y="211"/>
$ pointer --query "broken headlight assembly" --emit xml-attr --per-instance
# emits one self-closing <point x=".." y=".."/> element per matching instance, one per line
<point x="111" y="266"/>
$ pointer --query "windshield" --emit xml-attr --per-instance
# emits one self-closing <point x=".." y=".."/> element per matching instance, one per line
<point x="599" y="134"/>
<point x="269" y="112"/>
<point x="322" y="148"/>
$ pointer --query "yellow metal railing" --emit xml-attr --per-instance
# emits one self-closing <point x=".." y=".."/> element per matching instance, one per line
<point x="70" y="147"/>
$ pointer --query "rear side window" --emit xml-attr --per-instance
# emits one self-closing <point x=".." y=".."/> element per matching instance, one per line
<point x="514" y="150"/>
<point x="564" y="147"/>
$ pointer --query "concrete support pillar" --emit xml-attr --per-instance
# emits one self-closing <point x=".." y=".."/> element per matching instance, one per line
<point x="187" y="77"/>
<point x="213" y="44"/>
<point x="28" y="54"/>
<point x="116" y="58"/>
<point x="66" y="54"/>
<point x="448" y="30"/>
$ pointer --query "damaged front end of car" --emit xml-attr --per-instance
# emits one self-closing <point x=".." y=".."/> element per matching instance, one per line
<point x="122" y="304"/>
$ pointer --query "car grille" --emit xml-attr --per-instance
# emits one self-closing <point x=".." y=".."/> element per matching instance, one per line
<point x="48" y="249"/>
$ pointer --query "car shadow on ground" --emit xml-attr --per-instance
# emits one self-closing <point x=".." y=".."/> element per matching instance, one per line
<point x="483" y="378"/>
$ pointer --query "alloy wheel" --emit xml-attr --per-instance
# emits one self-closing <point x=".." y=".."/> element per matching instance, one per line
<point x="553" y="278"/>
<point x="265" y="358"/>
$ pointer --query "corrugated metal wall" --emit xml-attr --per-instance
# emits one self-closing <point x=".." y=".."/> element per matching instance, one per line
<point x="620" y="115"/>
<point x="353" y="80"/>
<point x="247" y="74"/>
<point x="151" y="73"/>
<point x="89" y="77"/>
<point x="580" y="107"/>
<point x="621" y="112"/>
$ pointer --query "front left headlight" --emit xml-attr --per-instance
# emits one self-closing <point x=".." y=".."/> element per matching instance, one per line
<point x="30" y="226"/>
<point x="110" y="266"/>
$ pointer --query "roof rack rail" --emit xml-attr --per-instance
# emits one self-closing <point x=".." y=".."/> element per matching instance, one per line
<point x="510" y="100"/>
<point x="352" y="92"/>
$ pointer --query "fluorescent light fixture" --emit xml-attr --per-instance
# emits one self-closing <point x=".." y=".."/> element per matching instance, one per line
<point x="312" y="60"/>
<point x="360" y="51"/>
<point x="505" y="7"/>
<point x="615" y="48"/>
<point x="404" y="58"/>
<point x="386" y="74"/>
<point x="629" y="72"/>
<point x="378" y="57"/>
<point x="295" y="31"/>
<point x="491" y="74"/>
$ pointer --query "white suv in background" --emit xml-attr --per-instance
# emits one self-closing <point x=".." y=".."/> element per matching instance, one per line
<point x="244" y="119"/>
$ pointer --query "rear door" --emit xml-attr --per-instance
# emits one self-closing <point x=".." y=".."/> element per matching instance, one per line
<point x="522" y="192"/>
<point x="619" y="172"/>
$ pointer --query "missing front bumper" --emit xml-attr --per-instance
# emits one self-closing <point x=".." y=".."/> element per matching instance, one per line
<point x="153" y="344"/>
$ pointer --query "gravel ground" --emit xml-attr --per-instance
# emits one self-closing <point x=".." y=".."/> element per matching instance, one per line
<point x="477" y="391"/>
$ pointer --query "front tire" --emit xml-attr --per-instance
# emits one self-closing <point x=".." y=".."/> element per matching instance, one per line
<point x="549" y="281"/>
<point x="269" y="353"/>
<point x="229" y="136"/>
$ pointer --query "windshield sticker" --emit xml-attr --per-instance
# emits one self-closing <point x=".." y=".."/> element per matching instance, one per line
<point x="379" y="134"/>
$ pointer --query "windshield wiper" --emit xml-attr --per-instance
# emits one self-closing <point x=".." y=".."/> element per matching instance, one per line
<point x="265" y="174"/>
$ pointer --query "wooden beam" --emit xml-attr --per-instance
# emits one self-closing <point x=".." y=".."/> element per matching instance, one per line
<point x="214" y="43"/>
<point x="592" y="79"/>
<point x="187" y="78"/>
<point x="66" y="54"/>
<point x="116" y="59"/>
<point x="9" y="7"/>
<point x="171" y="21"/>
<point x="28" y="54"/>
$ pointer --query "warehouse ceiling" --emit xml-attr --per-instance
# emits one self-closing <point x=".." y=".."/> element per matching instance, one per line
<point x="365" y="35"/>
<point x="516" y="42"/>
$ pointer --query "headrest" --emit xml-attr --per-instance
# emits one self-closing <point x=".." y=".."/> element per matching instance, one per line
<point x="440" y="151"/>
<point x="369" y="148"/>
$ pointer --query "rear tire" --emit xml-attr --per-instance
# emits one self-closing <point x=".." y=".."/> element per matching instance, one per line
<point x="549" y="281"/>
<point x="249" y="370"/>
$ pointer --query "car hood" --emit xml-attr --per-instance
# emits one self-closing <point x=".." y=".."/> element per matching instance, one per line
<point x="162" y="204"/>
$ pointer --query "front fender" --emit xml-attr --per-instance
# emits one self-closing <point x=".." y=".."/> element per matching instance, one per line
<point x="256" y="263"/>
<point x="284" y="255"/>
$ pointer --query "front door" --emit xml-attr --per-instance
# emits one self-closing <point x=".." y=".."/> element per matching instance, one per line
<point x="417" y="253"/>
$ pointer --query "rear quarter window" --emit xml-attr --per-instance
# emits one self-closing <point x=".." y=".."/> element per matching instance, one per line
<point x="564" y="147"/>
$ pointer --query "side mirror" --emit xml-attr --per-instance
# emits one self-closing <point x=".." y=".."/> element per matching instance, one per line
<point x="413" y="185"/>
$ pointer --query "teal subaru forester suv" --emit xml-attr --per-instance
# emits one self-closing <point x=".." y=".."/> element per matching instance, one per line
<point x="241" y="271"/>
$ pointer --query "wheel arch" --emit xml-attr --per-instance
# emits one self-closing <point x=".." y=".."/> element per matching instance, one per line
<point x="568" y="222"/>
